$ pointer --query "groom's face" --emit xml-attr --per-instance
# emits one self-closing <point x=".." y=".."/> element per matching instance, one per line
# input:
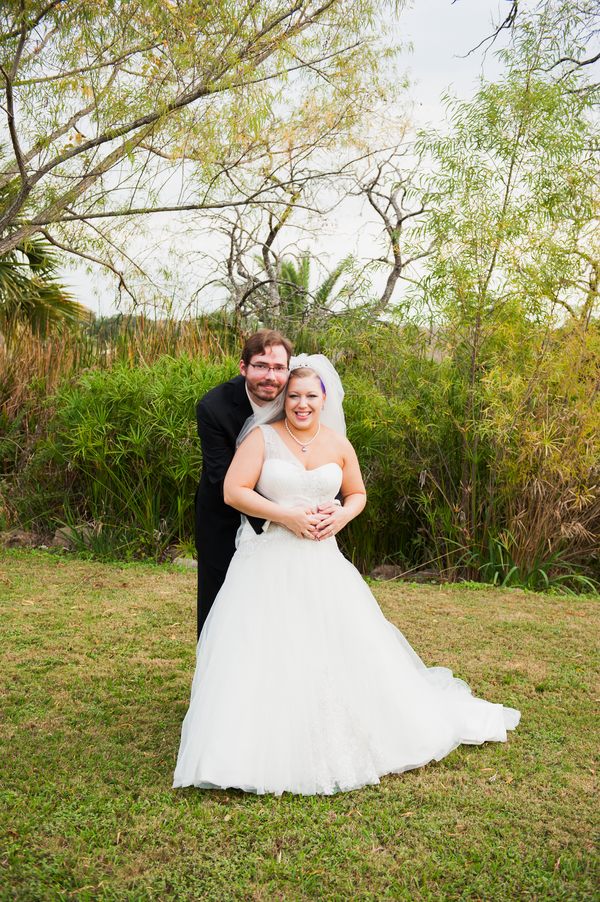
<point x="266" y="374"/>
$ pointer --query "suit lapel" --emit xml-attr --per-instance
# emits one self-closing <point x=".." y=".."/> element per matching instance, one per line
<point x="242" y="409"/>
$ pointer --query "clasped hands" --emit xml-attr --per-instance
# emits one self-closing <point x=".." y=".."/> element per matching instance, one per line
<point x="326" y="521"/>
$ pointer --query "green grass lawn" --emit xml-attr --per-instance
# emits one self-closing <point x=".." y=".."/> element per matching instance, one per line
<point x="97" y="661"/>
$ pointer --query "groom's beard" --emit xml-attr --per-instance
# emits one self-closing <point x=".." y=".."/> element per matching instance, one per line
<point x="266" y="390"/>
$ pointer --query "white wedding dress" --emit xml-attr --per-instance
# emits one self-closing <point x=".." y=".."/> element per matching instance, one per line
<point x="301" y="684"/>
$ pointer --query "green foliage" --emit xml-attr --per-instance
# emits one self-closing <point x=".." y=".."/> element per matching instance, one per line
<point x="117" y="99"/>
<point x="299" y="302"/>
<point x="506" y="419"/>
<point x="280" y="296"/>
<point x="123" y="454"/>
<point x="32" y="368"/>
<point x="447" y="487"/>
<point x="386" y="528"/>
<point x="514" y="193"/>
<point x="115" y="450"/>
<point x="30" y="292"/>
<point x="548" y="570"/>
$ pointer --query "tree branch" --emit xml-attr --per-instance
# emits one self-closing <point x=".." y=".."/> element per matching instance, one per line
<point x="505" y="25"/>
<point x="59" y="132"/>
<point x="10" y="115"/>
<point x="392" y="225"/>
<point x="253" y="197"/>
<point x="92" y="258"/>
<point x="578" y="64"/>
<point x="84" y="70"/>
<point x="31" y="25"/>
<point x="146" y="124"/>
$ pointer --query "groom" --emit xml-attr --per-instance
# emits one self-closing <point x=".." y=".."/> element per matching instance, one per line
<point x="221" y="413"/>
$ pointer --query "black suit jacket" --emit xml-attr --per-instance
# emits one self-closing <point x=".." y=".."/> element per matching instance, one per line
<point x="220" y="415"/>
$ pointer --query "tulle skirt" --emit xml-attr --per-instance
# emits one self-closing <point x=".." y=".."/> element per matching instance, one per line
<point x="302" y="685"/>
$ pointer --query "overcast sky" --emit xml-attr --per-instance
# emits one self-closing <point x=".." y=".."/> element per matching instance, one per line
<point x="442" y="33"/>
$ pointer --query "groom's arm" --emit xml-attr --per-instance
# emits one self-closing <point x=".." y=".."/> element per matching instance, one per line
<point x="217" y="445"/>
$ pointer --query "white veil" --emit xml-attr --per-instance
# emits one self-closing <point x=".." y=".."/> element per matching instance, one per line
<point x="333" y="412"/>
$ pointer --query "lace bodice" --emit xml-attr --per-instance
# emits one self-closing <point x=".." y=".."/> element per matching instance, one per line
<point x="284" y="480"/>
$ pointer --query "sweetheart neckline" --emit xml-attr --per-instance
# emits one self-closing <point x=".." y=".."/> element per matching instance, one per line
<point x="297" y="462"/>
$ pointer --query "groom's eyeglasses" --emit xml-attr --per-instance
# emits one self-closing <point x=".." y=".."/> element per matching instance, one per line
<point x="264" y="368"/>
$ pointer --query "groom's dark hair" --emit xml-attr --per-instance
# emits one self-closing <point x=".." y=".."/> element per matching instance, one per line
<point x="257" y="343"/>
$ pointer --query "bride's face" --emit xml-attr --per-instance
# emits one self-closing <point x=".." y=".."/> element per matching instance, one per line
<point x="304" y="401"/>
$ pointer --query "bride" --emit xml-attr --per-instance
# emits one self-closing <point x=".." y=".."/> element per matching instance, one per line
<point x="301" y="684"/>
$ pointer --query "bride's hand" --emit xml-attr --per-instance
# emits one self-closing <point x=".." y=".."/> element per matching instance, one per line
<point x="333" y="519"/>
<point x="335" y="516"/>
<point x="302" y="521"/>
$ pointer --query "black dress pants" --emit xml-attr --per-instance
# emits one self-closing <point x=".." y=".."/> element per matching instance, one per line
<point x="210" y="580"/>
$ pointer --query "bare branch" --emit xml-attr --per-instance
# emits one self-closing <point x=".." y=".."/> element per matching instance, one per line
<point x="390" y="207"/>
<point x="92" y="258"/>
<point x="505" y="25"/>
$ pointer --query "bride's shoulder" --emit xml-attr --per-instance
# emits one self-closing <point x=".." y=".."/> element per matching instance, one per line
<point x="336" y="439"/>
<point x="255" y="440"/>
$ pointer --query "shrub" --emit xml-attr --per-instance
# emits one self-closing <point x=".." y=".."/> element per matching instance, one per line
<point x="122" y="452"/>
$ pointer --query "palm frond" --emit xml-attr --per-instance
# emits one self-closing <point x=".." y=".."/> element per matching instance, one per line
<point x="31" y="293"/>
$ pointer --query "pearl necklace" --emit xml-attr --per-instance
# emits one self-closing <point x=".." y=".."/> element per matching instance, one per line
<point x="304" y="444"/>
